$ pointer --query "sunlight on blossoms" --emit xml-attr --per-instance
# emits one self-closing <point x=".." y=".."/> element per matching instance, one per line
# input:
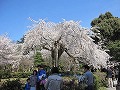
<point x="69" y="35"/>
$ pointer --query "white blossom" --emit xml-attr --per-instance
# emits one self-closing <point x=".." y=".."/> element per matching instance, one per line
<point x="73" y="38"/>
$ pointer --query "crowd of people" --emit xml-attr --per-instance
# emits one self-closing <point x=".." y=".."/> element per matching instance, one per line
<point x="40" y="81"/>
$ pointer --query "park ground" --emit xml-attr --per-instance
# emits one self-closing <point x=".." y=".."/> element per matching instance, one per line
<point x="111" y="88"/>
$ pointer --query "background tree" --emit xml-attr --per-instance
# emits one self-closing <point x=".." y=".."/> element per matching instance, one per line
<point x="10" y="54"/>
<point x="6" y="50"/>
<point x="109" y="32"/>
<point x="109" y="26"/>
<point x="114" y="48"/>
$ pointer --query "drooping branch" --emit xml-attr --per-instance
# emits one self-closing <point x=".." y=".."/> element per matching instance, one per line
<point x="69" y="54"/>
<point x="67" y="36"/>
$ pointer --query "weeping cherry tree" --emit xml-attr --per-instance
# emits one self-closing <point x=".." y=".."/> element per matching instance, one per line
<point x="66" y="36"/>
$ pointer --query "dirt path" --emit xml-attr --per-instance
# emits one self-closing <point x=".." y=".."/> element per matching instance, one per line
<point x="111" y="88"/>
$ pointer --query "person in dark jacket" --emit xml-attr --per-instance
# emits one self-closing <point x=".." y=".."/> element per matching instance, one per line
<point x="109" y="77"/>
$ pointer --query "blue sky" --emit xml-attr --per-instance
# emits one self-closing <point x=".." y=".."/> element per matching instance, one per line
<point x="14" y="13"/>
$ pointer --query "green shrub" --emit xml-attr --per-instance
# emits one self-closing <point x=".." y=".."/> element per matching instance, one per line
<point x="99" y="80"/>
<point x="11" y="85"/>
<point x="21" y="74"/>
<point x="5" y="74"/>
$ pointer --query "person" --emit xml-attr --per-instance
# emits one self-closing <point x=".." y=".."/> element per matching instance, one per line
<point x="33" y="80"/>
<point x="27" y="85"/>
<point x="81" y="81"/>
<point x="116" y="73"/>
<point x="54" y="81"/>
<point x="113" y="72"/>
<point x="109" y="77"/>
<point x="118" y="83"/>
<point x="41" y="78"/>
<point x="89" y="78"/>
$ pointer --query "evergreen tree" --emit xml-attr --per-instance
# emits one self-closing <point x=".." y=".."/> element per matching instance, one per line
<point x="109" y="29"/>
<point x="109" y="26"/>
<point x="38" y="59"/>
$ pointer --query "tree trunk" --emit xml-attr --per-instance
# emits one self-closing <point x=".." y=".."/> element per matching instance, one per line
<point x="56" y="57"/>
<point x="54" y="54"/>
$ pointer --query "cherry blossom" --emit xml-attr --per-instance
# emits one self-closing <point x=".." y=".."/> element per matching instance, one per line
<point x="66" y="36"/>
